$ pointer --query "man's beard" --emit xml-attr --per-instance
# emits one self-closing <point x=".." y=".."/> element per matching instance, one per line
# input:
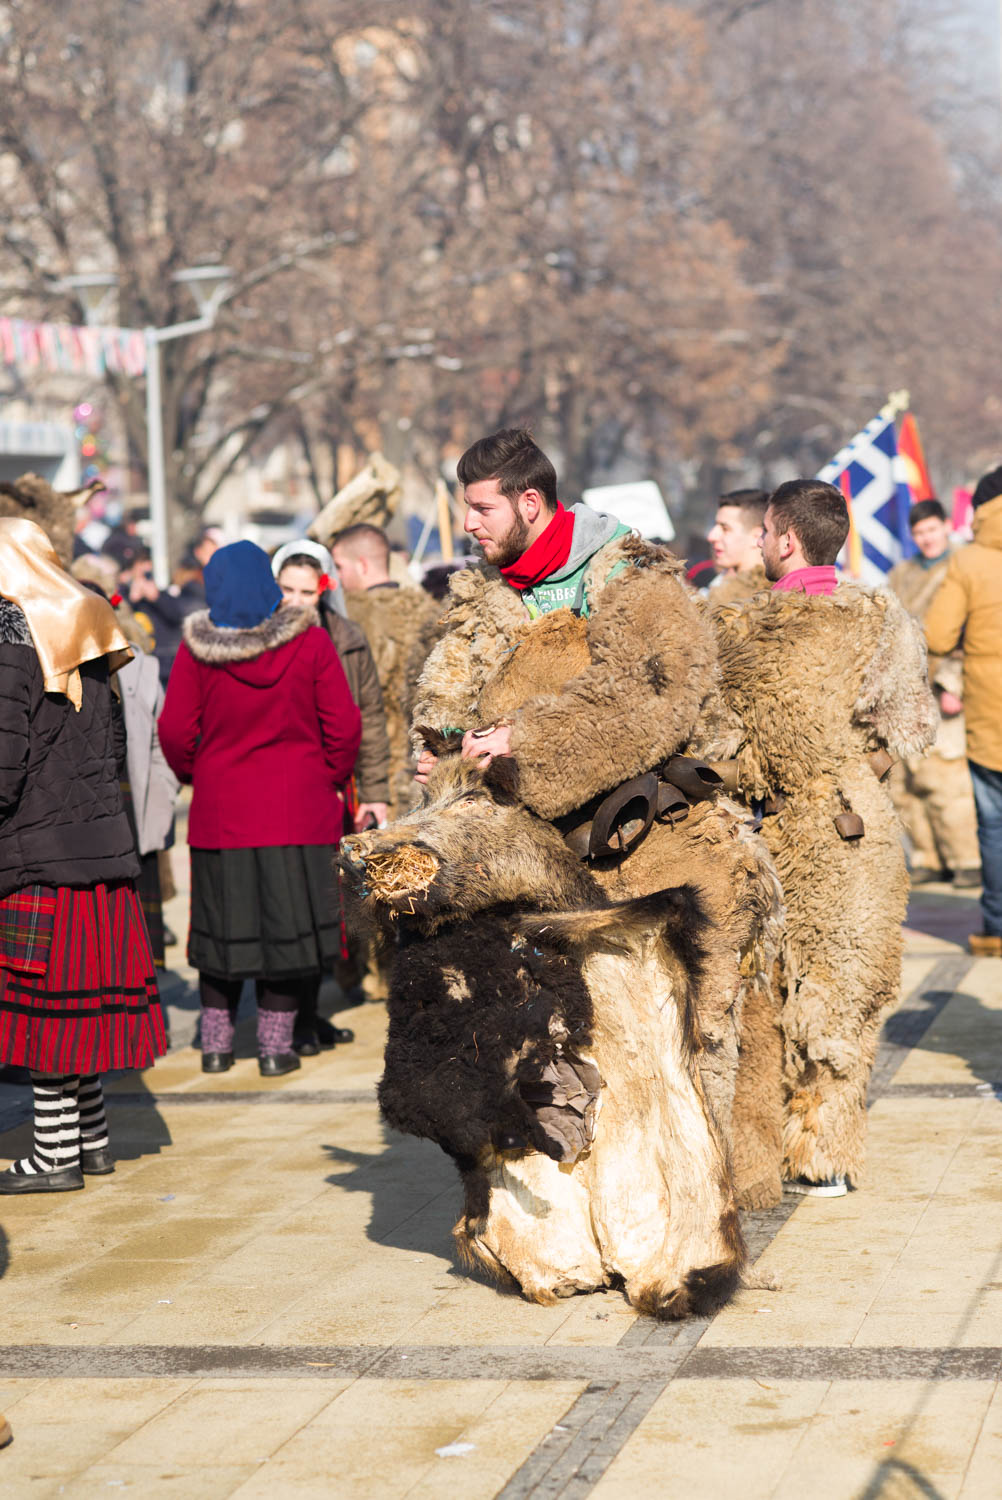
<point x="509" y="548"/>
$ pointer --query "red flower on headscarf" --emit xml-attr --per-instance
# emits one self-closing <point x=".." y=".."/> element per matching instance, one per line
<point x="115" y="600"/>
<point x="325" y="582"/>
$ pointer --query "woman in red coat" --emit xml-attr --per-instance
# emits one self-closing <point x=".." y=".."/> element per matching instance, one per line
<point x="259" y="718"/>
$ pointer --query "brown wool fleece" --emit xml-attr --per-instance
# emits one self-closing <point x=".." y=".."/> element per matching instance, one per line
<point x="593" y="702"/>
<point x="817" y="683"/>
<point x="636" y="701"/>
<point x="401" y="626"/>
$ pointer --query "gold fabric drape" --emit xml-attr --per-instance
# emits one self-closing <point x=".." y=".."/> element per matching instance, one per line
<point x="69" y="624"/>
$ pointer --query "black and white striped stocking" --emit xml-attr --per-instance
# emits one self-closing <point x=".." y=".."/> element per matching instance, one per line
<point x="57" y="1125"/>
<point x="93" y="1120"/>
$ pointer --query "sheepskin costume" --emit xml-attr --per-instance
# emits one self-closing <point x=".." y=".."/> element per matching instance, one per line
<point x="55" y="511"/>
<point x="593" y="702"/>
<point x="818" y="682"/>
<point x="401" y="626"/>
<point x="546" y="1039"/>
<point x="733" y="588"/>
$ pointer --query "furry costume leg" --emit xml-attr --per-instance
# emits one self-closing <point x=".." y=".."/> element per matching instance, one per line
<point x="757" y="1120"/>
<point x="841" y="969"/>
<point x="741" y="1074"/>
<point x="825" y="1131"/>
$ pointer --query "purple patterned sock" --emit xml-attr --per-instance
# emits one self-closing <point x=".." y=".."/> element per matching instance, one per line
<point x="217" y="1029"/>
<point x="274" y="1032"/>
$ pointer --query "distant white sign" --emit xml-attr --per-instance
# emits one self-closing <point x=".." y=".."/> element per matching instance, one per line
<point x="640" y="506"/>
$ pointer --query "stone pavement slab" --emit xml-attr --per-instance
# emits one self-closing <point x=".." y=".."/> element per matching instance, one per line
<point x="263" y="1300"/>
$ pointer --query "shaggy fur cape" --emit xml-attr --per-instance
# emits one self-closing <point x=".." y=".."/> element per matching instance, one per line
<point x="817" y="682"/>
<point x="521" y="1002"/>
<point x="638" y="700"/>
<point x="591" y="703"/>
<point x="33" y="497"/>
<point x="401" y="626"/>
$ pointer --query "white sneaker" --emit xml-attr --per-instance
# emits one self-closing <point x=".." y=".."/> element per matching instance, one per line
<point x="833" y="1187"/>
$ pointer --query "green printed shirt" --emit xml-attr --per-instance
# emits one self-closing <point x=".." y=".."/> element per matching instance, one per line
<point x="569" y="592"/>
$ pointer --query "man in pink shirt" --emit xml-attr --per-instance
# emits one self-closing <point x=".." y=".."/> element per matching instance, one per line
<point x="805" y="566"/>
<point x="826" y="678"/>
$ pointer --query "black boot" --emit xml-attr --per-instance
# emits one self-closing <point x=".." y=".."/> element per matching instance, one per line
<point x="96" y="1163"/>
<point x="332" y="1036"/>
<point x="217" y="1062"/>
<point x="275" y="1064"/>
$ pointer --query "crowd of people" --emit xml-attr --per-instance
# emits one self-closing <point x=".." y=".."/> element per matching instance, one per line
<point x="285" y="691"/>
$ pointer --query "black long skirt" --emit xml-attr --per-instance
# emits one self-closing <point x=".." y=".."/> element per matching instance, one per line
<point x="264" y="913"/>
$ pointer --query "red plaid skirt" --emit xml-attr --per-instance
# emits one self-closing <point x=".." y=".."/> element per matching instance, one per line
<point x="97" y="1005"/>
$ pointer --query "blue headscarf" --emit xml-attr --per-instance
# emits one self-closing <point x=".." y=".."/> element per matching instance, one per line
<point x="239" y="588"/>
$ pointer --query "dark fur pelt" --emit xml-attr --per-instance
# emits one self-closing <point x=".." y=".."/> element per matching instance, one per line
<point x="476" y="1013"/>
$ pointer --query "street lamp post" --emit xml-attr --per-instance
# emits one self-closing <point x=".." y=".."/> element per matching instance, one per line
<point x="210" y="286"/>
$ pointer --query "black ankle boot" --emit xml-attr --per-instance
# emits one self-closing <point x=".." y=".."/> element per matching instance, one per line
<point x="274" y="1065"/>
<point x="217" y="1062"/>
<point x="96" y="1163"/>
<point x="332" y="1036"/>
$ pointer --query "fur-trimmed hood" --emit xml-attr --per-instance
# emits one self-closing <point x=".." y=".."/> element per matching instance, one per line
<point x="244" y="648"/>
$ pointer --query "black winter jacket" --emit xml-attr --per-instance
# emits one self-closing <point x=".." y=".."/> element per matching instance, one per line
<point x="62" y="821"/>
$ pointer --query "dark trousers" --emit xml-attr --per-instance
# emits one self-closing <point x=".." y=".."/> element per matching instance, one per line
<point x="987" y="786"/>
<point x="272" y="994"/>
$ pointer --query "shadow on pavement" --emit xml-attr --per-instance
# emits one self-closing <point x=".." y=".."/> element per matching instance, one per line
<point x="135" y="1125"/>
<point x="414" y="1190"/>
<point x="974" y="1032"/>
<point x="943" y="914"/>
<point x="889" y="1477"/>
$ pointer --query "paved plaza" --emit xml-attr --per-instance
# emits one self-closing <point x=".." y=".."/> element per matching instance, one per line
<point x="263" y="1301"/>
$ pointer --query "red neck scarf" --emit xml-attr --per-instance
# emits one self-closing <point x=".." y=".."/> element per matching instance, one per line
<point x="547" y="554"/>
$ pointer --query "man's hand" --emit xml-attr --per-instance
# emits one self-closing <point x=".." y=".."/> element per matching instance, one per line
<point x="426" y="760"/>
<point x="484" y="744"/>
<point x="951" y="705"/>
<point x="377" y="811"/>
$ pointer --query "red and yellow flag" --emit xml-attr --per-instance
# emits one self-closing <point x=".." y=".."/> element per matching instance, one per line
<point x="854" y="545"/>
<point x="913" y="460"/>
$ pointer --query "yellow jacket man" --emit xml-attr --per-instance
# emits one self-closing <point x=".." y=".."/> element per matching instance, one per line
<point x="968" y="607"/>
<point x="932" y="793"/>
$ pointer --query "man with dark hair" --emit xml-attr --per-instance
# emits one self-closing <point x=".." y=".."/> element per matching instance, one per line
<point x="514" y="460"/>
<point x="804" y="529"/>
<point x="514" y="516"/>
<point x="577" y="653"/>
<point x="734" y="540"/>
<point x="825" y="677"/>
<point x="968" y="606"/>
<point x="932" y="793"/>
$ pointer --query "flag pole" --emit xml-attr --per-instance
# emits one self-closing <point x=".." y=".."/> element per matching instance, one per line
<point x="897" y="403"/>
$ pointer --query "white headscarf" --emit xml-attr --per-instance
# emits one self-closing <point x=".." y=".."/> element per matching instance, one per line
<point x="307" y="548"/>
